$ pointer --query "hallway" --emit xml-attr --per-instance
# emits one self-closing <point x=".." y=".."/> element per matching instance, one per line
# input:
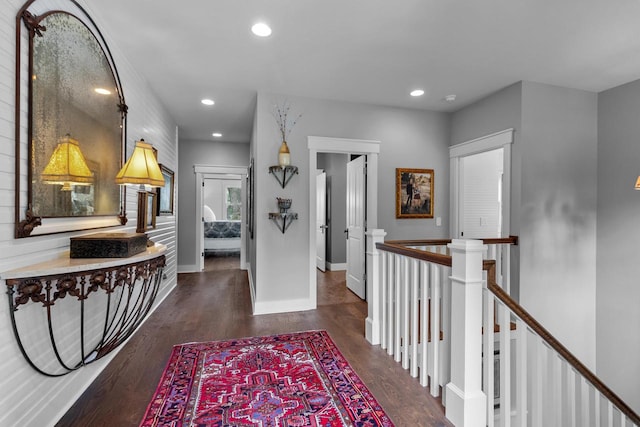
<point x="216" y="305"/>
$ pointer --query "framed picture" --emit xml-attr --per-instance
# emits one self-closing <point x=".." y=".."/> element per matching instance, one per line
<point x="151" y="211"/>
<point x="165" y="194"/>
<point x="414" y="193"/>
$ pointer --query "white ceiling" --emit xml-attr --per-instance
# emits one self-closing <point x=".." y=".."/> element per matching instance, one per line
<point x="369" y="51"/>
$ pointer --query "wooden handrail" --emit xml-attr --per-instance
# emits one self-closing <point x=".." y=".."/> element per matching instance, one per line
<point x="415" y="253"/>
<point x="511" y="240"/>
<point x="534" y="325"/>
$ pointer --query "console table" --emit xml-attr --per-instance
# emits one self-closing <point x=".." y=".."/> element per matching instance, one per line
<point x="106" y="300"/>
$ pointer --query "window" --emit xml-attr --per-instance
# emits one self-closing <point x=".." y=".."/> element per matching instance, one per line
<point x="233" y="203"/>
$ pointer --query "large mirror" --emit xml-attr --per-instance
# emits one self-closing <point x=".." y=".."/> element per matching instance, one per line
<point x="75" y="124"/>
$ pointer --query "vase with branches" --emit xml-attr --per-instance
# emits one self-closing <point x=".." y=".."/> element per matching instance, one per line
<point x="285" y="122"/>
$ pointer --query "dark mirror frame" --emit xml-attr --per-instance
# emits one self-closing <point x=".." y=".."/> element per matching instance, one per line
<point x="28" y="26"/>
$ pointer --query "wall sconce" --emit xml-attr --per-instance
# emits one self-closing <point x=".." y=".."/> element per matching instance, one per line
<point x="142" y="170"/>
<point x="67" y="166"/>
<point x="637" y="187"/>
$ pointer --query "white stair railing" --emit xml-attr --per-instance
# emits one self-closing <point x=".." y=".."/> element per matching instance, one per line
<point x="502" y="359"/>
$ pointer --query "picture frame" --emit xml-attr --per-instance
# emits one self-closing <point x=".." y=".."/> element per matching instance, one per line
<point x="165" y="195"/>
<point x="150" y="222"/>
<point x="414" y="193"/>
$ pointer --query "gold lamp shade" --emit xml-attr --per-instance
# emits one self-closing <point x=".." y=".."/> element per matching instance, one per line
<point x="67" y="166"/>
<point x="142" y="167"/>
<point x="637" y="187"/>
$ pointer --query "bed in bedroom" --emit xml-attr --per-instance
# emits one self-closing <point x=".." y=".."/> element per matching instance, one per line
<point x="222" y="237"/>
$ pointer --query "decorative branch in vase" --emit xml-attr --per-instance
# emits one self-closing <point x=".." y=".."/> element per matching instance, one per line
<point x="285" y="123"/>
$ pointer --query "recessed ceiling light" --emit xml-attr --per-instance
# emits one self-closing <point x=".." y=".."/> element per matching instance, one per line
<point x="207" y="101"/>
<point x="417" y="92"/>
<point x="217" y="135"/>
<point x="102" y="91"/>
<point x="450" y="98"/>
<point x="261" y="29"/>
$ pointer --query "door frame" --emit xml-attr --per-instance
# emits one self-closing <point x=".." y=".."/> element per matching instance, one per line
<point x="494" y="141"/>
<point x="322" y="268"/>
<point x="321" y="144"/>
<point x="220" y="172"/>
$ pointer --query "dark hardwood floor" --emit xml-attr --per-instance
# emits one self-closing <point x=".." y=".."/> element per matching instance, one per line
<point x="216" y="305"/>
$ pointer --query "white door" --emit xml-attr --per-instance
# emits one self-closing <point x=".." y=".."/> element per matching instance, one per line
<point x="200" y="233"/>
<point x="356" y="208"/>
<point x="321" y="220"/>
<point x="481" y="194"/>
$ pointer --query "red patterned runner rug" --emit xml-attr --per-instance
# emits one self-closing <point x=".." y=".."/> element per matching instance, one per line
<point x="298" y="379"/>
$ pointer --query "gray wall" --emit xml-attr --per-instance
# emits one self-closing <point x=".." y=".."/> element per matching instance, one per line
<point x="192" y="153"/>
<point x="335" y="165"/>
<point x="618" y="269"/>
<point x="410" y="139"/>
<point x="558" y="213"/>
<point x="553" y="206"/>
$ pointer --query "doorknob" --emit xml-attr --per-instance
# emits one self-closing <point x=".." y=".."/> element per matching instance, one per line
<point x="323" y="227"/>
<point x="347" y="231"/>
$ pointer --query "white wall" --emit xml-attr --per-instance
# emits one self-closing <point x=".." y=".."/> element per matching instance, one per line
<point x="36" y="400"/>
<point x="410" y="139"/>
<point x="200" y="153"/>
<point x="618" y="293"/>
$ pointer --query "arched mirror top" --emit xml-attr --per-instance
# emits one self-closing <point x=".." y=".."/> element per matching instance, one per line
<point x="71" y="148"/>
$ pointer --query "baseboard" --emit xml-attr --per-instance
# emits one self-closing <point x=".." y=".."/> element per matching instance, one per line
<point x="338" y="266"/>
<point x="188" y="269"/>
<point x="286" y="306"/>
<point x="251" y="287"/>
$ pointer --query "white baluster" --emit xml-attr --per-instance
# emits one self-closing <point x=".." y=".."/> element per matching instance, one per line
<point x="571" y="397"/>
<point x="415" y="302"/>
<point x="397" y="321"/>
<point x="596" y="406"/>
<point x="384" y="300"/>
<point x="556" y="369"/>
<point x="521" y="373"/>
<point x="406" y="312"/>
<point x="424" y="323"/>
<point x="487" y="354"/>
<point x="391" y="273"/>
<point x="537" y="373"/>
<point x="505" y="365"/>
<point x="434" y="318"/>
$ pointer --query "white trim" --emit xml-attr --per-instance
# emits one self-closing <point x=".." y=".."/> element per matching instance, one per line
<point x="251" y="287"/>
<point x="494" y="141"/>
<point x="321" y="144"/>
<point x="220" y="172"/>
<point x="284" y="306"/>
<point x="484" y="143"/>
<point x="188" y="268"/>
<point x="324" y="144"/>
<point x="338" y="266"/>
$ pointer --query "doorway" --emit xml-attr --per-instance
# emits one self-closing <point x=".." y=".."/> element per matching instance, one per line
<point x="480" y="183"/>
<point x="225" y="174"/>
<point x="365" y="148"/>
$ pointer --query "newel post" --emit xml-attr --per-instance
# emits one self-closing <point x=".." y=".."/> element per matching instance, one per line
<point x="372" y="324"/>
<point x="465" y="402"/>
